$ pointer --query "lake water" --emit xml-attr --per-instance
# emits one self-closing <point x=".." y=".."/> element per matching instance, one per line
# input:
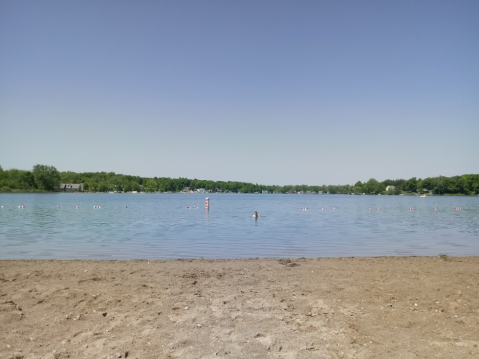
<point x="159" y="226"/>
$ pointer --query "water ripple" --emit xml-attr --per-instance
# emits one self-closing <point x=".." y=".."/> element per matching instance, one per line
<point x="160" y="226"/>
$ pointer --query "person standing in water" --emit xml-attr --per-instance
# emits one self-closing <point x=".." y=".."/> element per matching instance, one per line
<point x="255" y="215"/>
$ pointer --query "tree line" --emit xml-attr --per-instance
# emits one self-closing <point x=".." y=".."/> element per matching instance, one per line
<point x="48" y="178"/>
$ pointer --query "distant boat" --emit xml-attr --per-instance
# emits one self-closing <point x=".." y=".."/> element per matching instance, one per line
<point x="423" y="196"/>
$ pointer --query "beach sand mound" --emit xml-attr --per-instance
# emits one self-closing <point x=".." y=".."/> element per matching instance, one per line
<point x="386" y="307"/>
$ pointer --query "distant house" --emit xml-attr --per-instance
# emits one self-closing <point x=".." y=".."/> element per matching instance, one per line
<point x="392" y="188"/>
<point x="78" y="187"/>
<point x="200" y="190"/>
<point x="264" y="191"/>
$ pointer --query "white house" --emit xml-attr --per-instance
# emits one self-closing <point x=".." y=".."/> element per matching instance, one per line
<point x="392" y="188"/>
<point x="71" y="187"/>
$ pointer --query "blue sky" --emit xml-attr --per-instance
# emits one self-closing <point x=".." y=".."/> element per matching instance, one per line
<point x="272" y="92"/>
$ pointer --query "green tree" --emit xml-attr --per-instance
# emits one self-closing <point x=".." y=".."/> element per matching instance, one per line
<point x="420" y="185"/>
<point x="135" y="186"/>
<point x="439" y="184"/>
<point x="427" y="184"/>
<point x="372" y="186"/>
<point x="27" y="181"/>
<point x="103" y="187"/>
<point x="46" y="177"/>
<point x="411" y="184"/>
<point x="151" y="185"/>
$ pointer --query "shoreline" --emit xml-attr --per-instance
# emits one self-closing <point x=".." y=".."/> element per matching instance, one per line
<point x="210" y="193"/>
<point x="445" y="257"/>
<point x="352" y="307"/>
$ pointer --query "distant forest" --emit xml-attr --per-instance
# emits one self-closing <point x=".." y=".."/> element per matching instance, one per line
<point x="48" y="179"/>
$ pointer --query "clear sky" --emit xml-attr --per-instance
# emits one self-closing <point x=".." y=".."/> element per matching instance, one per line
<point x="271" y="92"/>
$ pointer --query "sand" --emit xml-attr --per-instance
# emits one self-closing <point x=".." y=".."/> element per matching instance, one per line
<point x="386" y="307"/>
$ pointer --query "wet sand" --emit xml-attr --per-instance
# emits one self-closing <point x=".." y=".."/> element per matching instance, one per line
<point x="385" y="307"/>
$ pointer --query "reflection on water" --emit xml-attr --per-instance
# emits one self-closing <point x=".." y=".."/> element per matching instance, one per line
<point x="158" y="226"/>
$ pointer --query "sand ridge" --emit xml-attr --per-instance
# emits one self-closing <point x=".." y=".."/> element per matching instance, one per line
<point x="384" y="307"/>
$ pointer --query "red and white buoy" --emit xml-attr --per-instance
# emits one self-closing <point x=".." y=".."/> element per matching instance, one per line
<point x="21" y="206"/>
<point x="322" y="208"/>
<point x="207" y="203"/>
<point x="78" y="207"/>
<point x="187" y="207"/>
<point x="377" y="209"/>
<point x="58" y="206"/>
<point x="411" y="209"/>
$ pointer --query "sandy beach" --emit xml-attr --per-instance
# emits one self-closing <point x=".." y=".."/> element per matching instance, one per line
<point x="385" y="307"/>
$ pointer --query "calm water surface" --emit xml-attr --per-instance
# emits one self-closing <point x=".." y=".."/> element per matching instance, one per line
<point x="159" y="226"/>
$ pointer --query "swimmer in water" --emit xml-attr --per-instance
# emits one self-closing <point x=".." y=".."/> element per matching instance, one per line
<point x="255" y="215"/>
